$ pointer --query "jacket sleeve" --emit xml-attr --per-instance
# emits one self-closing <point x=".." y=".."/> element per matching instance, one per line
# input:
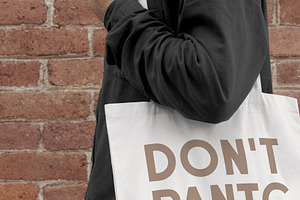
<point x="204" y="69"/>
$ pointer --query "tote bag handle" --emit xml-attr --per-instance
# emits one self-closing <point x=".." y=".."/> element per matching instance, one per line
<point x="257" y="85"/>
<point x="143" y="3"/>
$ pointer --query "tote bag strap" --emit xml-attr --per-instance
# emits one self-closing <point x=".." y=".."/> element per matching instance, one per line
<point x="143" y="3"/>
<point x="257" y="85"/>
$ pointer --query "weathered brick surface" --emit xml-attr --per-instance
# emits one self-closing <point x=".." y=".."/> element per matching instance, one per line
<point x="99" y="42"/>
<point x="43" y="166"/>
<point x="16" y="191"/>
<point x="288" y="73"/>
<point x="76" y="72"/>
<point x="285" y="41"/>
<point x="43" y="41"/>
<point x="19" y="136"/>
<point x="19" y="73"/>
<point x="74" y="12"/>
<point x="65" y="192"/>
<point x="20" y="11"/>
<point x="290" y="11"/>
<point x="65" y="136"/>
<point x="44" y="105"/>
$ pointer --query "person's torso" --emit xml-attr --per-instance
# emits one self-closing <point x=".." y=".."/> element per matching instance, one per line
<point x="116" y="89"/>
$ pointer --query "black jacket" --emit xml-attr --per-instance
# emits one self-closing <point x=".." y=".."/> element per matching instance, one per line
<point x="200" y="57"/>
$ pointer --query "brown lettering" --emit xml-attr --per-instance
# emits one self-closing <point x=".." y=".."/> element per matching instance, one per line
<point x="248" y="188"/>
<point x="230" y="154"/>
<point x="193" y="194"/>
<point x="153" y="175"/>
<point x="187" y="165"/>
<point x="269" y="145"/>
<point x="157" y="195"/>
<point x="274" y="186"/>
<point x="218" y="195"/>
<point x="252" y="144"/>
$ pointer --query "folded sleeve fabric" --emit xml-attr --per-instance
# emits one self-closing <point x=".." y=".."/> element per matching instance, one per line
<point x="205" y="68"/>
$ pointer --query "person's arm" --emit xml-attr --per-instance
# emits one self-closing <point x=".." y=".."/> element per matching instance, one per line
<point x="205" y="69"/>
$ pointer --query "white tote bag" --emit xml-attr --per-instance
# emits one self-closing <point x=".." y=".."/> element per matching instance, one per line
<point x="159" y="155"/>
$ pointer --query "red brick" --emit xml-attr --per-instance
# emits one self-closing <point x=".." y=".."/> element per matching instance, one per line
<point x="43" y="41"/>
<point x="285" y="41"/>
<point x="43" y="166"/>
<point x="15" y="191"/>
<point x="65" y="192"/>
<point x="288" y="73"/>
<point x="20" y="11"/>
<point x="65" y="136"/>
<point x="19" y="136"/>
<point x="295" y="94"/>
<point x="271" y="7"/>
<point x="76" y="72"/>
<point x="19" y="73"/>
<point x="290" y="11"/>
<point x="74" y="12"/>
<point x="44" y="105"/>
<point x="99" y="42"/>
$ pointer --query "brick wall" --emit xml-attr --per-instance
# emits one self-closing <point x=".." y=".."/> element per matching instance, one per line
<point x="284" y="32"/>
<point x="51" y="69"/>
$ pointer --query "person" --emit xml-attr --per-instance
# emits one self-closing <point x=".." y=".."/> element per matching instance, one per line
<point x="199" y="57"/>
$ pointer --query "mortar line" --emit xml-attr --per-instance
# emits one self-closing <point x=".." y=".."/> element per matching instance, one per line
<point x="50" y="12"/>
<point x="90" y="38"/>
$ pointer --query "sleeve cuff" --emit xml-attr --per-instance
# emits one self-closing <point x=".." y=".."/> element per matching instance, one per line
<point x="119" y="9"/>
